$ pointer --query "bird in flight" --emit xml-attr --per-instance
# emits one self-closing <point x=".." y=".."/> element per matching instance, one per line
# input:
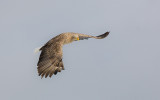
<point x="50" y="60"/>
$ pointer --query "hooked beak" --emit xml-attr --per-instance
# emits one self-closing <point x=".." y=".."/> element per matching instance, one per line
<point x="77" y="38"/>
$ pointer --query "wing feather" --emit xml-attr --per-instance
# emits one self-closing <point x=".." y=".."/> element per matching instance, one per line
<point x="50" y="58"/>
<point x="83" y="36"/>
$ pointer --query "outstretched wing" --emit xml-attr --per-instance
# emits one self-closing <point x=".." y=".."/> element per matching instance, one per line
<point x="83" y="36"/>
<point x="50" y="60"/>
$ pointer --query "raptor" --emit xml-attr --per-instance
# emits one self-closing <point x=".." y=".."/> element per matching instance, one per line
<point x="50" y="60"/>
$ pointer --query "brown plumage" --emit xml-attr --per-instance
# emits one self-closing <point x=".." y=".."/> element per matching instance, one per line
<point x="50" y="60"/>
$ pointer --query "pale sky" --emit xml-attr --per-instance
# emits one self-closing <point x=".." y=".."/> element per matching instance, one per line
<point x="123" y="66"/>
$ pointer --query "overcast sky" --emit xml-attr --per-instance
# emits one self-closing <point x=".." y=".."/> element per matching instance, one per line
<point x="123" y="66"/>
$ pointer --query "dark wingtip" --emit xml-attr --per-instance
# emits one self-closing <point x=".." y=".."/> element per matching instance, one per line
<point x="103" y="35"/>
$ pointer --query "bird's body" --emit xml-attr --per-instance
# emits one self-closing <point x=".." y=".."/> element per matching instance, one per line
<point x="50" y="60"/>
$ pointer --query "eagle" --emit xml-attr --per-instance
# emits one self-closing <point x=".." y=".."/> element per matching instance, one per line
<point x="50" y="60"/>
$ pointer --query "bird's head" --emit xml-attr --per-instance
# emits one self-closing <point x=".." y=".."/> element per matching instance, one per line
<point x="75" y="37"/>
